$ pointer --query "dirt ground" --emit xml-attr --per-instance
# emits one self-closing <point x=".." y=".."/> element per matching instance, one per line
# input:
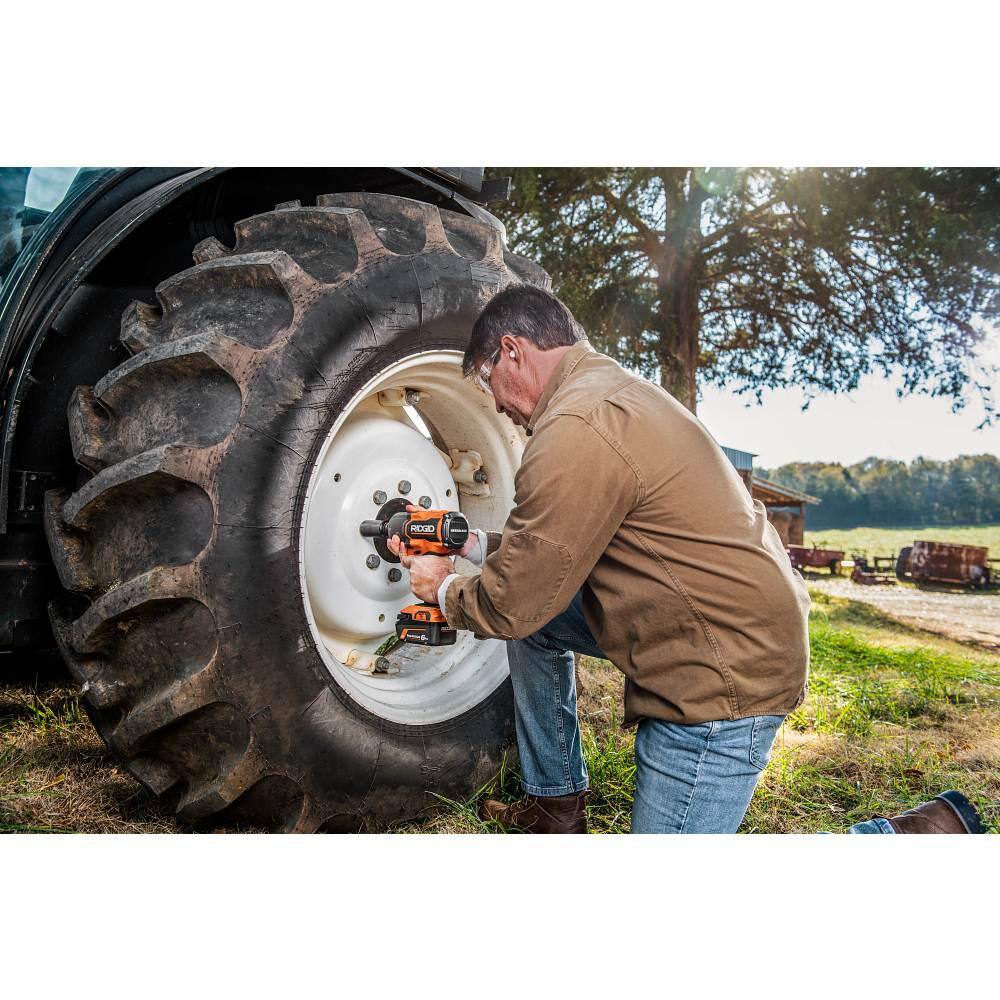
<point x="962" y="615"/>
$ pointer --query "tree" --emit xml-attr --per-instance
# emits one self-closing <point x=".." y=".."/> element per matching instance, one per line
<point x="881" y="492"/>
<point x="767" y="278"/>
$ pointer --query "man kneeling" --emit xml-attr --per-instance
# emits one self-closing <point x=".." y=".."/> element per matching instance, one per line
<point x="631" y="538"/>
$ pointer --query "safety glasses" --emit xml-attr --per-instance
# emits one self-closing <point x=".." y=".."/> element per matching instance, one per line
<point x="485" y="371"/>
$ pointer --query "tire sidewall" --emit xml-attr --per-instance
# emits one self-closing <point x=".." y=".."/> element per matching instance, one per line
<point x="304" y="723"/>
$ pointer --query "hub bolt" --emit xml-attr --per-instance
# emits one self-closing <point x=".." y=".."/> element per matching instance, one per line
<point x="372" y="562"/>
<point x="395" y="575"/>
<point x="412" y="397"/>
<point x="403" y="486"/>
<point x="382" y="665"/>
<point x="479" y="475"/>
<point x="379" y="497"/>
<point x="424" y="502"/>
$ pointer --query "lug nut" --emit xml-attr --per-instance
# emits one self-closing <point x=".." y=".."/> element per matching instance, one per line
<point x="382" y="665"/>
<point x="412" y="397"/>
<point x="379" y="497"/>
<point x="395" y="575"/>
<point x="479" y="475"/>
<point x="424" y="502"/>
<point x="372" y="562"/>
<point x="403" y="486"/>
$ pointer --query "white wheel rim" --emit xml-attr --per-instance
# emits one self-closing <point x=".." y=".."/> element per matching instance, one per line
<point x="372" y="447"/>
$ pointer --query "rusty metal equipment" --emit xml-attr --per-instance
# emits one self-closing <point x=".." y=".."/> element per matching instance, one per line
<point x="868" y="575"/>
<point x="944" y="562"/>
<point x="801" y="556"/>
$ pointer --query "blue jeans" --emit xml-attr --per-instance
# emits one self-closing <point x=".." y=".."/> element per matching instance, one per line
<point x="876" y="825"/>
<point x="689" y="779"/>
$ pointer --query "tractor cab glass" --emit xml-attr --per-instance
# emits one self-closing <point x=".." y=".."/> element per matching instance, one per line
<point x="28" y="195"/>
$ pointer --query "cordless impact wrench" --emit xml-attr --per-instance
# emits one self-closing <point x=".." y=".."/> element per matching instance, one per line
<point x="424" y="532"/>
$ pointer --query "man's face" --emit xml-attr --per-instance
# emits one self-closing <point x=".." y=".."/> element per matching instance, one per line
<point x="511" y="384"/>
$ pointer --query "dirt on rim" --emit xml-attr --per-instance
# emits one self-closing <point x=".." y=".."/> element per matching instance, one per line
<point x="962" y="615"/>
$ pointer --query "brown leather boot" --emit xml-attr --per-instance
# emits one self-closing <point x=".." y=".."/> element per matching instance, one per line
<point x="949" y="812"/>
<point x="540" y="814"/>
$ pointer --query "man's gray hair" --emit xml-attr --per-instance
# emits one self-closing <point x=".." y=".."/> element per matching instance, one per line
<point x="521" y="311"/>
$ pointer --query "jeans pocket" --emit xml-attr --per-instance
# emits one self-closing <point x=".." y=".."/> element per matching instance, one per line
<point x="765" y="728"/>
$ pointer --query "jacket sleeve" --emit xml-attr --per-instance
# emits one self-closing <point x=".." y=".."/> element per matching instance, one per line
<point x="572" y="492"/>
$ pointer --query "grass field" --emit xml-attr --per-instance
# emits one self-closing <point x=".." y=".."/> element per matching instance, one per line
<point x="887" y="541"/>
<point x="894" y="716"/>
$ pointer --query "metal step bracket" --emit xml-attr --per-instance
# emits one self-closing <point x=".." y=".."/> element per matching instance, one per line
<point x="468" y="472"/>
<point x="401" y="397"/>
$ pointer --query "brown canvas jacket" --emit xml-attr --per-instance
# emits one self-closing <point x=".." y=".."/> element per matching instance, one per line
<point x="687" y="587"/>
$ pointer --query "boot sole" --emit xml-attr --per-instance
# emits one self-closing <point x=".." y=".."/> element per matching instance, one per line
<point x="964" y="809"/>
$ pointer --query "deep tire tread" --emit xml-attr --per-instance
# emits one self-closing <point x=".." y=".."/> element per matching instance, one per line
<point x="160" y="704"/>
<point x="165" y="707"/>
<point x="128" y="412"/>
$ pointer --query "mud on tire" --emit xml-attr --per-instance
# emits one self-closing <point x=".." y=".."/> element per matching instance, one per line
<point x="190" y="640"/>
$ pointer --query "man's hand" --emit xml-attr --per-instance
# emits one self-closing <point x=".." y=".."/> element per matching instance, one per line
<point x="470" y="543"/>
<point x="427" y="573"/>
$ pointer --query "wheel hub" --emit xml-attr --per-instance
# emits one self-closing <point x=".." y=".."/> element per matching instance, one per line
<point x="385" y="512"/>
<point x="350" y="591"/>
<point x="380" y="452"/>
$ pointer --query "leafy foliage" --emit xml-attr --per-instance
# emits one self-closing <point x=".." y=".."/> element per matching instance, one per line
<point x="880" y="491"/>
<point x="768" y="277"/>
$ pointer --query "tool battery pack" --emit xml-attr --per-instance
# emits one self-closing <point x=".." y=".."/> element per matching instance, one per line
<point x="424" y="624"/>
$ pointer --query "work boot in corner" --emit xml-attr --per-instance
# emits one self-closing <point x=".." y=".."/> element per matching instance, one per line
<point x="540" y="814"/>
<point x="949" y="812"/>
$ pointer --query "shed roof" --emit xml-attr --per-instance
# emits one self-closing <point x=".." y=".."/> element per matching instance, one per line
<point x="743" y="460"/>
<point x="768" y="492"/>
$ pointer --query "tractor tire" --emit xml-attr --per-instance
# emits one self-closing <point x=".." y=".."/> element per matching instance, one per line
<point x="191" y="624"/>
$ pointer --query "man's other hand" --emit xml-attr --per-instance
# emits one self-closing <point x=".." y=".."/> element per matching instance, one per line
<point x="427" y="573"/>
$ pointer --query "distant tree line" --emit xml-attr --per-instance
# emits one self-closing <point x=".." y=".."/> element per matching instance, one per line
<point x="879" y="492"/>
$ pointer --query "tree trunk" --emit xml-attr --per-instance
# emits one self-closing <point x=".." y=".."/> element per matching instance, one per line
<point x="679" y="347"/>
<point x="678" y="269"/>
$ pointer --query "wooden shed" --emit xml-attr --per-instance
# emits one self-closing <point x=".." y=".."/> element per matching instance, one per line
<point x="786" y="507"/>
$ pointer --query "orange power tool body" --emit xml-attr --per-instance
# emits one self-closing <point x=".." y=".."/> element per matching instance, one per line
<point x="424" y="532"/>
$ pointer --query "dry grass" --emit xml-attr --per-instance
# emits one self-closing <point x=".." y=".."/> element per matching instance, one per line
<point x="57" y="776"/>
<point x="894" y="716"/>
<point x="825" y="782"/>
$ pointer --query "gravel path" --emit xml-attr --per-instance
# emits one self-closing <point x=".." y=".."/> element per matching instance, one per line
<point x="965" y="617"/>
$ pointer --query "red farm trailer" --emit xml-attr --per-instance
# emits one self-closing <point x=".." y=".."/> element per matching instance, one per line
<point x="943" y="562"/>
<point x="813" y="558"/>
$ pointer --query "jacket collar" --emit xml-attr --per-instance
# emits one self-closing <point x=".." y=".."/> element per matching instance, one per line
<point x="566" y="367"/>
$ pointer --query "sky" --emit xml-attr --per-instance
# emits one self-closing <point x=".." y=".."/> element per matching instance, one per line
<point x="849" y="427"/>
